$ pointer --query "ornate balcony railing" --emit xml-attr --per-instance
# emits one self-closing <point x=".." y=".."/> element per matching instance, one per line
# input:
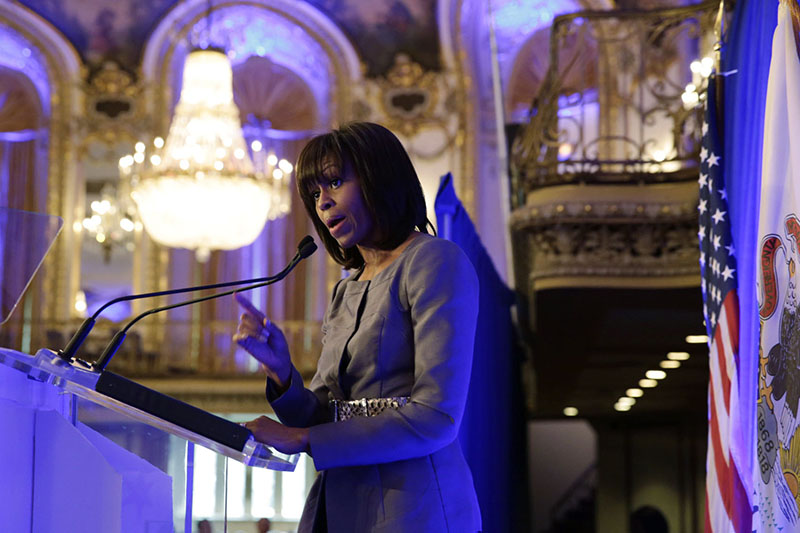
<point x="603" y="173"/>
<point x="196" y="362"/>
<point x="168" y="348"/>
<point x="610" y="108"/>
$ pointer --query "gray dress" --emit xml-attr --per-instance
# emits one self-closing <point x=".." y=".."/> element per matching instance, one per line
<point x="407" y="332"/>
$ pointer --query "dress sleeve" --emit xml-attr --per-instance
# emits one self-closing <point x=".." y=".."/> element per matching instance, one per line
<point x="298" y="406"/>
<point x="442" y="292"/>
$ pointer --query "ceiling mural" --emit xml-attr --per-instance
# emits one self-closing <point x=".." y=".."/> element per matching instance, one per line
<point x="116" y="30"/>
<point x="381" y="29"/>
<point x="104" y="30"/>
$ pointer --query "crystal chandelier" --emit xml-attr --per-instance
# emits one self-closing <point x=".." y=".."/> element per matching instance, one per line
<point x="111" y="221"/>
<point x="199" y="189"/>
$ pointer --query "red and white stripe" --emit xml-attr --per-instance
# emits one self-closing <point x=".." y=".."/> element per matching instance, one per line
<point x="727" y="506"/>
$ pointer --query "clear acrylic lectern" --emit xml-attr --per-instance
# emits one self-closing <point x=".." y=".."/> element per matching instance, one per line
<point x="37" y="383"/>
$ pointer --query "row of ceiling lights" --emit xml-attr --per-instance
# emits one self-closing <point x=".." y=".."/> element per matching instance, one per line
<point x="651" y="378"/>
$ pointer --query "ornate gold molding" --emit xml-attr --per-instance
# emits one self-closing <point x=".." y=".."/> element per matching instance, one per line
<point x="113" y="109"/>
<point x="408" y="96"/>
<point x="59" y="271"/>
<point x="608" y="236"/>
<point x="422" y="107"/>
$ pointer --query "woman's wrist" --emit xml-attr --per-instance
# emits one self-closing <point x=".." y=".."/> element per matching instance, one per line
<point x="305" y="445"/>
<point x="281" y="379"/>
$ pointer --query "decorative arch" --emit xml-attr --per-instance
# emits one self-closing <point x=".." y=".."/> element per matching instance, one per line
<point x="33" y="48"/>
<point x="485" y="61"/>
<point x="455" y="18"/>
<point x="294" y="35"/>
<point x="577" y="68"/>
<point x="467" y="48"/>
<point x="52" y="60"/>
<point x="295" y="73"/>
<point x="266" y="91"/>
<point x="20" y="106"/>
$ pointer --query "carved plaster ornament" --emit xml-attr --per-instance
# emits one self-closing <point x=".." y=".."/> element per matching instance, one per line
<point x="584" y="235"/>
<point x="409" y="96"/>
<point x="113" y="107"/>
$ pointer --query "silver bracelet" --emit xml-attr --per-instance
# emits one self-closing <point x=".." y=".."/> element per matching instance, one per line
<point x="346" y="409"/>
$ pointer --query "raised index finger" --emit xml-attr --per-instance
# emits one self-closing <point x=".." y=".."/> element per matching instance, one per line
<point x="248" y="306"/>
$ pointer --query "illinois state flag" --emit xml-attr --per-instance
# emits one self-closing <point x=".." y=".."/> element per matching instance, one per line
<point x="777" y="476"/>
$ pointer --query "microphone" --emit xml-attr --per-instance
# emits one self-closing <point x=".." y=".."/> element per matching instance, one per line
<point x="304" y="249"/>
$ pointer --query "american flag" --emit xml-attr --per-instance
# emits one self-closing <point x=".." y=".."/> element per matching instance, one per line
<point x="727" y="506"/>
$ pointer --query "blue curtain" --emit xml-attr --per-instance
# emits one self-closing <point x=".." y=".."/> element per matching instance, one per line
<point x="493" y="428"/>
<point x="747" y="50"/>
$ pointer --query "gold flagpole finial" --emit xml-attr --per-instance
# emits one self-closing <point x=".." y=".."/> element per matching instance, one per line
<point x="719" y="33"/>
<point x="794" y="10"/>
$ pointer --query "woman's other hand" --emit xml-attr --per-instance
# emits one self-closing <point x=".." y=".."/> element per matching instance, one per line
<point x="282" y="438"/>
<point x="265" y="341"/>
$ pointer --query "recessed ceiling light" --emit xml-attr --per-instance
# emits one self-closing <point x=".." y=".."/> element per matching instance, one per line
<point x="622" y="407"/>
<point x="697" y="339"/>
<point x="570" y="411"/>
<point x="626" y="400"/>
<point x="634" y="393"/>
<point x="647" y="383"/>
<point x="655" y="374"/>
<point x="669" y="364"/>
<point x="678" y="356"/>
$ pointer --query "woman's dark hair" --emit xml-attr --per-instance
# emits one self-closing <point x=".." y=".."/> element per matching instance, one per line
<point x="389" y="184"/>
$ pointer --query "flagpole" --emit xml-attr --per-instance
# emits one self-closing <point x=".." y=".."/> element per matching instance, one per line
<point x="719" y="34"/>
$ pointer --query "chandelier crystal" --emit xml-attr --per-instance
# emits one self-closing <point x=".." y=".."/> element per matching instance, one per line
<point x="110" y="221"/>
<point x="199" y="189"/>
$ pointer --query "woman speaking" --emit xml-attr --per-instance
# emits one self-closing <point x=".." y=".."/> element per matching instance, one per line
<point x="381" y="415"/>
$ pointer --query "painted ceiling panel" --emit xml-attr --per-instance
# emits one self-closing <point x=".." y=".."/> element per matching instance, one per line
<point x="117" y="29"/>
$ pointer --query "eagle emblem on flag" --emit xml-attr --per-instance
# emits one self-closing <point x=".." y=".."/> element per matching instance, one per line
<point x="779" y="369"/>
